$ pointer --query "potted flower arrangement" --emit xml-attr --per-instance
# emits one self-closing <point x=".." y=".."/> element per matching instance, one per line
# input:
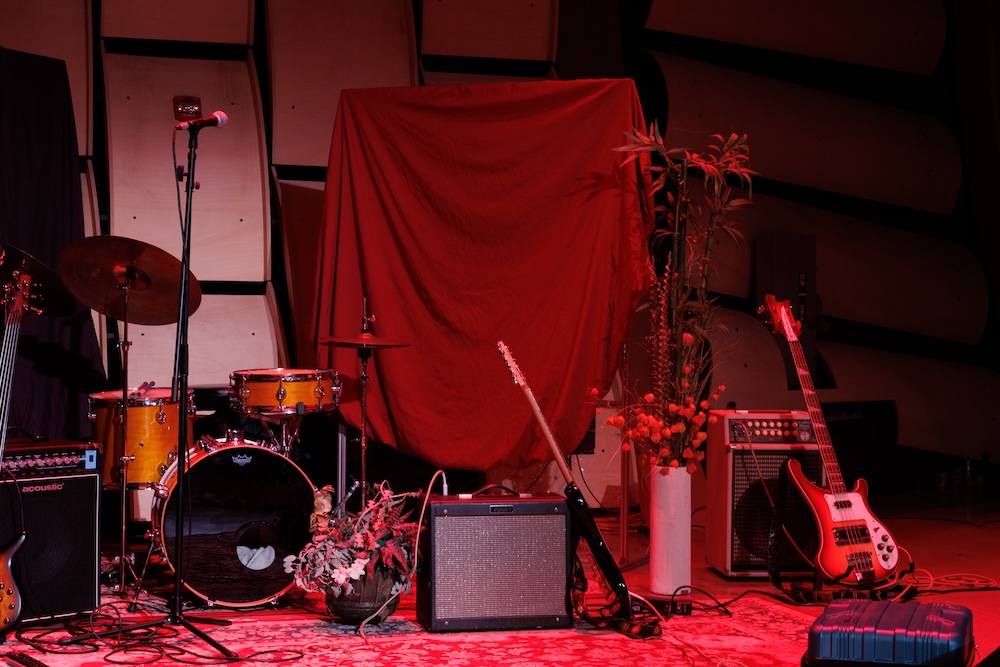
<point x="667" y="426"/>
<point x="361" y="561"/>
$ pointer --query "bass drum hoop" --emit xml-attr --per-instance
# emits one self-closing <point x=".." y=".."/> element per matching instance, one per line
<point x="259" y="512"/>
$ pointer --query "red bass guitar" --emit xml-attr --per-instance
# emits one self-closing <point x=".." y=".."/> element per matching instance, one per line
<point x="854" y="548"/>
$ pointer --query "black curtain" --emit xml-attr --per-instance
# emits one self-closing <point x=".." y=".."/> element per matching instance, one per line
<point x="58" y="362"/>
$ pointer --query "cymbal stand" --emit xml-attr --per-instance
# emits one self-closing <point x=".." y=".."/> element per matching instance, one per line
<point x="124" y="559"/>
<point x="364" y="354"/>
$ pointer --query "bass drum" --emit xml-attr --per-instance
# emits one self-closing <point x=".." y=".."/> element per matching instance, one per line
<point x="248" y="507"/>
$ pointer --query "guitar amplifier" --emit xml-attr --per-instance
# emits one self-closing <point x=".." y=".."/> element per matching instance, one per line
<point x="495" y="563"/>
<point x="745" y="452"/>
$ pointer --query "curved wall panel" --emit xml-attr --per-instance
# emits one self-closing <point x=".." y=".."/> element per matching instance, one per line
<point x="866" y="272"/>
<point x="961" y="422"/>
<point x="816" y="139"/>
<point x="902" y="35"/>
<point x="318" y="49"/>
<point x="219" y="22"/>
<point x="92" y="227"/>
<point x="515" y="30"/>
<point x="230" y="210"/>
<point x="227" y="333"/>
<point x="61" y="30"/>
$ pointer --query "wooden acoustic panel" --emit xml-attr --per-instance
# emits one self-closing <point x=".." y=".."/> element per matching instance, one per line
<point x="902" y="35"/>
<point x="227" y="333"/>
<point x="218" y="22"/>
<point x="230" y="210"/>
<point x="866" y="272"/>
<point x="514" y="30"/>
<point x="317" y="49"/>
<point x="815" y="139"/>
<point x="59" y="30"/>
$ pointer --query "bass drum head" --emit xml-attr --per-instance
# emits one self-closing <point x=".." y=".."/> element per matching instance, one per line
<point x="249" y="507"/>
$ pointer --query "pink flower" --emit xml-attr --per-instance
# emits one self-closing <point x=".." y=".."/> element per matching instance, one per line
<point x="687" y="338"/>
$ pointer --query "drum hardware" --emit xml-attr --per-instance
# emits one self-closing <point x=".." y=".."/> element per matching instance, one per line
<point x="132" y="282"/>
<point x="170" y="307"/>
<point x="365" y="343"/>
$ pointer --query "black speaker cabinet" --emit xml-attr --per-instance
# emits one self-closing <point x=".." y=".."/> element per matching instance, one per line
<point x="57" y="567"/>
<point x="495" y="563"/>
<point x="745" y="453"/>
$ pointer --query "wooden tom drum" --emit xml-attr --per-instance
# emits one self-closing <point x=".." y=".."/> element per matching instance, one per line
<point x="275" y="391"/>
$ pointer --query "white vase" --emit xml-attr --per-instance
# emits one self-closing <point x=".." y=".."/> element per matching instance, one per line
<point x="669" y="530"/>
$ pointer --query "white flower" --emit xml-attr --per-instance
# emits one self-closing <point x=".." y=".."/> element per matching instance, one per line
<point x="358" y="568"/>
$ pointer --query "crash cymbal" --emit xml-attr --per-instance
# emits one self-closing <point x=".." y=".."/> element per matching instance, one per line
<point x="48" y="293"/>
<point x="362" y="341"/>
<point x="98" y="268"/>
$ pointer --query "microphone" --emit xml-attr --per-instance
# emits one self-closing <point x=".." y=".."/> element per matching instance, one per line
<point x="217" y="119"/>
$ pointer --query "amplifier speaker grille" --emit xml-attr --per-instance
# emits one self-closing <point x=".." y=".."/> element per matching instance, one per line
<point x="495" y="564"/>
<point x="58" y="566"/>
<point x="742" y="477"/>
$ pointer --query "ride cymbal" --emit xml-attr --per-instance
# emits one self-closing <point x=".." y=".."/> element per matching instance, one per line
<point x="98" y="269"/>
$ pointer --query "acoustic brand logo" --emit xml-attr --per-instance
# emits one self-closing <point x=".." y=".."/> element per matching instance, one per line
<point x="35" y="488"/>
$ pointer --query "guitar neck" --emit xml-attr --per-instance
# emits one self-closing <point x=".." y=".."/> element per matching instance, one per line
<point x="549" y="438"/>
<point x="11" y="333"/>
<point x="830" y="465"/>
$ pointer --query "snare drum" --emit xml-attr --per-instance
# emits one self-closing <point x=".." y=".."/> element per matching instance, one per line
<point x="246" y="508"/>
<point x="277" y="391"/>
<point x="152" y="433"/>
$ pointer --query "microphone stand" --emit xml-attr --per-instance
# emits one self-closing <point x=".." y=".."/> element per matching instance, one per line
<point x="179" y="392"/>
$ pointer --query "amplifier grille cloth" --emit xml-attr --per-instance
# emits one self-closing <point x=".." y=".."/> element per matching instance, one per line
<point x="500" y="566"/>
<point x="752" y="509"/>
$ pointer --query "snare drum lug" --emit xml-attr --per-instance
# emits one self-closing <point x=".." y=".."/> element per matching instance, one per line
<point x="161" y="416"/>
<point x="281" y="393"/>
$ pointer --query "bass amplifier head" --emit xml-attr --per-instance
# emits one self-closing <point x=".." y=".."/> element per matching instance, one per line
<point x="495" y="563"/>
<point x="745" y="454"/>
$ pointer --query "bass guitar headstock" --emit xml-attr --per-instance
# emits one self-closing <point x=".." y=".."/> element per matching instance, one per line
<point x="508" y="359"/>
<point x="781" y="316"/>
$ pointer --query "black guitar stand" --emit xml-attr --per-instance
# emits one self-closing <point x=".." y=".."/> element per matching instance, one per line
<point x="179" y="393"/>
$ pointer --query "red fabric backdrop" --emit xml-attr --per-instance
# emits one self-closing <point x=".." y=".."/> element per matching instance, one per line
<point x="468" y="214"/>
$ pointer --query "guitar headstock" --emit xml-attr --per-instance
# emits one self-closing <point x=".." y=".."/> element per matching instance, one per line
<point x="18" y="297"/>
<point x="508" y="359"/>
<point x="781" y="317"/>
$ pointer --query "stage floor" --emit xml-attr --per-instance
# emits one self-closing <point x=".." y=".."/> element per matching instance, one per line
<point x="951" y="537"/>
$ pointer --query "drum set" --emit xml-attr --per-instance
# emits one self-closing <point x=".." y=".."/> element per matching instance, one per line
<point x="247" y="503"/>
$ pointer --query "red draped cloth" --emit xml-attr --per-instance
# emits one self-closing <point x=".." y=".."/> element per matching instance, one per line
<point x="462" y="215"/>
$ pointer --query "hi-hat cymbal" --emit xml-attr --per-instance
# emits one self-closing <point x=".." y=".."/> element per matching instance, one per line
<point x="51" y="295"/>
<point x="362" y="341"/>
<point x="97" y="270"/>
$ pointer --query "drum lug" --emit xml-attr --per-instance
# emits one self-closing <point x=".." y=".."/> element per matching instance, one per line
<point x="161" y="416"/>
<point x="280" y="394"/>
<point x="208" y="444"/>
<point x="160" y="491"/>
